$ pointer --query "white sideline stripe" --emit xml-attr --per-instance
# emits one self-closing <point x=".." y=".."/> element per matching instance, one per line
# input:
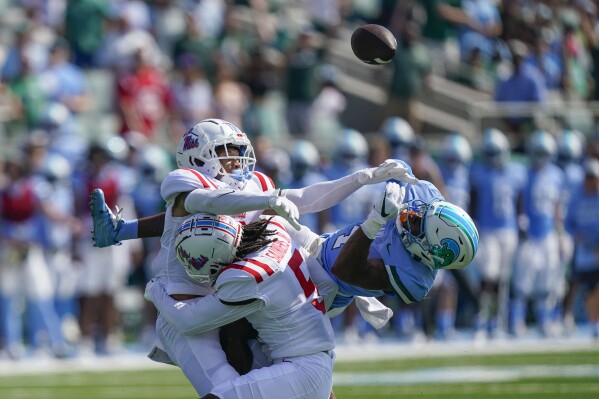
<point x="345" y="353"/>
<point x="447" y="375"/>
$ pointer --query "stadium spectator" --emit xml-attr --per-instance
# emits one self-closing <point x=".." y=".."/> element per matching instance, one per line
<point x="411" y="67"/>
<point x="98" y="317"/>
<point x="25" y="274"/>
<point x="482" y="29"/>
<point x="65" y="82"/>
<point x="524" y="84"/>
<point x="192" y="92"/>
<point x="144" y="100"/>
<point x="84" y="29"/>
<point x="301" y="85"/>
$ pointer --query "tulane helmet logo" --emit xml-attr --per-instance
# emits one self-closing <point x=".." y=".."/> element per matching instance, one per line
<point x="446" y="254"/>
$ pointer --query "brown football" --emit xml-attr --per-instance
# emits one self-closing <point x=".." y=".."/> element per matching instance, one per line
<point x="373" y="44"/>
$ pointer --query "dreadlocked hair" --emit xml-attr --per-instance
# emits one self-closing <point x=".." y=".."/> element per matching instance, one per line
<point x="255" y="236"/>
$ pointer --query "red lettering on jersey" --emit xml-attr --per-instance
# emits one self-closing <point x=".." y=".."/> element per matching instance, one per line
<point x="307" y="285"/>
<point x="205" y="182"/>
<point x="279" y="248"/>
<point x="294" y="263"/>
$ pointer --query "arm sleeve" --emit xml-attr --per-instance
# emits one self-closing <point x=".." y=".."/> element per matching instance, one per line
<point x="226" y="201"/>
<point x="323" y="195"/>
<point x="199" y="315"/>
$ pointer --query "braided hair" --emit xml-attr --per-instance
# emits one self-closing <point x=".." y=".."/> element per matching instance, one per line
<point x="255" y="236"/>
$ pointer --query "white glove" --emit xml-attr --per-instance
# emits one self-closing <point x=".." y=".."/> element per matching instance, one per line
<point x="390" y="169"/>
<point x="286" y="209"/>
<point x="384" y="209"/>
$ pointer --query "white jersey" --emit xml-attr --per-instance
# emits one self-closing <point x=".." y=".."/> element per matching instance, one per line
<point x="184" y="180"/>
<point x="271" y="288"/>
<point x="292" y="320"/>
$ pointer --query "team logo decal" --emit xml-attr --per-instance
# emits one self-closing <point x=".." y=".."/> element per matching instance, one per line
<point x="447" y="253"/>
<point x="198" y="263"/>
<point x="190" y="141"/>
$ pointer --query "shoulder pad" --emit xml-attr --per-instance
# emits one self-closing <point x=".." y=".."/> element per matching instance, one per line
<point x="264" y="182"/>
<point x="184" y="180"/>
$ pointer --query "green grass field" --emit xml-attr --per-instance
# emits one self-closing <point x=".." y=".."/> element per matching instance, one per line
<point x="572" y="375"/>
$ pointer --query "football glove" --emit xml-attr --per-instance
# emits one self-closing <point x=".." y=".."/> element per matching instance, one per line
<point x="390" y="169"/>
<point x="384" y="209"/>
<point x="286" y="209"/>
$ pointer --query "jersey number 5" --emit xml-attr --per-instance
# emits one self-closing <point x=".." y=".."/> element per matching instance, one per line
<point x="307" y="285"/>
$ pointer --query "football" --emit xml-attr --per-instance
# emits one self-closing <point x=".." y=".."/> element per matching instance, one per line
<point x="373" y="44"/>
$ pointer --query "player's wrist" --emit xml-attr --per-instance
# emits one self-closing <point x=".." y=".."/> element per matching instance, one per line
<point x="371" y="227"/>
<point x="127" y="230"/>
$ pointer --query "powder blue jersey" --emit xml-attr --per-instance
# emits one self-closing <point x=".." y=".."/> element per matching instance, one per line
<point x="496" y="193"/>
<point x="411" y="280"/>
<point x="541" y="199"/>
<point x="457" y="185"/>
<point x="582" y="221"/>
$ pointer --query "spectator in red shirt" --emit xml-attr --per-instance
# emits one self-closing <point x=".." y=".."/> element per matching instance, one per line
<point x="144" y="99"/>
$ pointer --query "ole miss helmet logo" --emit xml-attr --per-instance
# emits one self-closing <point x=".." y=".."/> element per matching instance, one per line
<point x="190" y="141"/>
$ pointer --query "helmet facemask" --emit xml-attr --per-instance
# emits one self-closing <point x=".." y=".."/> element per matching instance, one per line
<point x="410" y="224"/>
<point x="237" y="178"/>
<point x="438" y="234"/>
<point x="200" y="147"/>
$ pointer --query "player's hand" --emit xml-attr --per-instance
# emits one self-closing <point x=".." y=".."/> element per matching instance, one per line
<point x="387" y="205"/>
<point x="388" y="170"/>
<point x="286" y="209"/>
<point x="384" y="209"/>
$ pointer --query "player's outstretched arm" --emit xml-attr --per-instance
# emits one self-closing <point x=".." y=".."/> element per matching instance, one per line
<point x="150" y="226"/>
<point x="232" y="202"/>
<point x="195" y="316"/>
<point x="352" y="264"/>
<point x="323" y="195"/>
<point x="110" y="229"/>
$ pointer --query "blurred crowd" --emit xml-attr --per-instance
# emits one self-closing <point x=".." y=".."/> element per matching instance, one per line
<point x="96" y="93"/>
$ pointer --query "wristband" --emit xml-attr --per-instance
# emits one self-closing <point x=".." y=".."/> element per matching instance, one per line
<point x="127" y="230"/>
<point x="371" y="227"/>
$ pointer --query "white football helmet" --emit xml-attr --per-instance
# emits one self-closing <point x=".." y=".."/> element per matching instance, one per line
<point x="197" y="150"/>
<point x="439" y="234"/>
<point x="353" y="147"/>
<point x="456" y="149"/>
<point x="304" y="154"/>
<point x="495" y="147"/>
<point x="541" y="147"/>
<point x="205" y="243"/>
<point x="570" y="146"/>
<point x="397" y="131"/>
